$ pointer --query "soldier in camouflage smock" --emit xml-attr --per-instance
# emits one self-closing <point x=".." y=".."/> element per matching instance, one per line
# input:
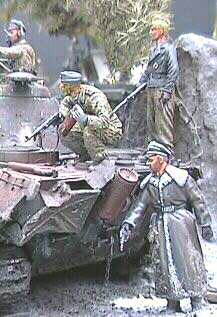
<point x="20" y="54"/>
<point x="96" y="126"/>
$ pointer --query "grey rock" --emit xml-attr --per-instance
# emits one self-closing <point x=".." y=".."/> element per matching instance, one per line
<point x="198" y="72"/>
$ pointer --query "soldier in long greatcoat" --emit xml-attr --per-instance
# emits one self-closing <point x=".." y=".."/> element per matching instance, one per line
<point x="177" y="204"/>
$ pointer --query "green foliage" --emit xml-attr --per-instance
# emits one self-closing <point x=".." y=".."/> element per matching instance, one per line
<point x="121" y="25"/>
<point x="125" y="26"/>
<point x="57" y="16"/>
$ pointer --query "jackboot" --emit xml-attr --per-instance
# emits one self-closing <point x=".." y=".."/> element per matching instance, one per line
<point x="197" y="302"/>
<point x="173" y="306"/>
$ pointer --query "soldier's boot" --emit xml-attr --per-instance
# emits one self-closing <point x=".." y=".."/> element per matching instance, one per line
<point x="197" y="303"/>
<point x="173" y="306"/>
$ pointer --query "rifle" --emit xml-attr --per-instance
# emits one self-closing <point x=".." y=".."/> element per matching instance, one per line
<point x="130" y="96"/>
<point x="52" y="120"/>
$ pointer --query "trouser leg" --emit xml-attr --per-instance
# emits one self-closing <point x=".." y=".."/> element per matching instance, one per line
<point x="151" y="129"/>
<point x="94" y="144"/>
<point x="75" y="142"/>
<point x="160" y="118"/>
<point x="164" y="120"/>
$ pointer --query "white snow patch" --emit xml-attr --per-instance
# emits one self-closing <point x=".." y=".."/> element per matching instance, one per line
<point x="209" y="312"/>
<point x="156" y="305"/>
<point x="141" y="303"/>
<point x="210" y="259"/>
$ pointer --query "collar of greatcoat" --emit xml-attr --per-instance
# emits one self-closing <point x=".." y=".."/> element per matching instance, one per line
<point x="171" y="173"/>
<point x="179" y="175"/>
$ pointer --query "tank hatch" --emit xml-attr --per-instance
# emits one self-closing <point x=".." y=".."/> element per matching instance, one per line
<point x="22" y="77"/>
<point x="25" y="154"/>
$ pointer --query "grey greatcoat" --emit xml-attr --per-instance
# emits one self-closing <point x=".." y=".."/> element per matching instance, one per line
<point x="177" y="204"/>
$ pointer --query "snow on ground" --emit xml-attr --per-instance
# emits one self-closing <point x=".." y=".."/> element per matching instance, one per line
<point x="157" y="306"/>
<point x="210" y="258"/>
<point x="82" y="293"/>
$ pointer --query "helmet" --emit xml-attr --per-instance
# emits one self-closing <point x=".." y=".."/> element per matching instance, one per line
<point x="15" y="24"/>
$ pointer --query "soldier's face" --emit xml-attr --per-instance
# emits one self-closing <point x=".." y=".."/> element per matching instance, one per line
<point x="155" y="33"/>
<point x="72" y="90"/>
<point x="14" y="35"/>
<point x="155" y="163"/>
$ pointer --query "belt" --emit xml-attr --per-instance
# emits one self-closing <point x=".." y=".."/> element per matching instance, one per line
<point x="166" y="209"/>
<point x="157" y="75"/>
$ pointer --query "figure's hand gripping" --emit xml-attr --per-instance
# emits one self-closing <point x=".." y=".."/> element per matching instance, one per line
<point x="52" y="120"/>
<point x="79" y="115"/>
<point x="207" y="233"/>
<point x="165" y="97"/>
<point x="124" y="235"/>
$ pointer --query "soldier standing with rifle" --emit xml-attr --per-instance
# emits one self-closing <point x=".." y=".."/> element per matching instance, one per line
<point x="176" y="204"/>
<point x="20" y="54"/>
<point x="160" y="77"/>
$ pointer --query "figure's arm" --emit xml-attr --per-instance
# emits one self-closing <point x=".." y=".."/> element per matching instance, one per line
<point x="134" y="217"/>
<point x="144" y="77"/>
<point x="100" y="112"/>
<point x="137" y="210"/>
<point x="197" y="201"/>
<point x="65" y="106"/>
<point x="11" y="52"/>
<point x="172" y="70"/>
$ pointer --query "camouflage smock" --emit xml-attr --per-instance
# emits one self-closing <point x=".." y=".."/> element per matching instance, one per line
<point x="100" y="116"/>
<point x="103" y="127"/>
<point x="21" y="54"/>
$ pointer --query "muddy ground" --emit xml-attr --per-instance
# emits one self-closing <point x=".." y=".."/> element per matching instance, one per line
<point x="82" y="292"/>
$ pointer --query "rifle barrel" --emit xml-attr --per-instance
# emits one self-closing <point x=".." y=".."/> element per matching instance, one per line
<point x="46" y="124"/>
<point x="130" y="96"/>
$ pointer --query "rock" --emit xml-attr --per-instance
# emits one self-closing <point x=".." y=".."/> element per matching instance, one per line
<point x="197" y="57"/>
<point x="211" y="295"/>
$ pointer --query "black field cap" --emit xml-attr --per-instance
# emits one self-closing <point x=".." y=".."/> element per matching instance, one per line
<point x="70" y="77"/>
<point x="157" y="148"/>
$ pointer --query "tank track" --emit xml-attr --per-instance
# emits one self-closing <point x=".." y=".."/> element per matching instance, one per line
<point x="15" y="273"/>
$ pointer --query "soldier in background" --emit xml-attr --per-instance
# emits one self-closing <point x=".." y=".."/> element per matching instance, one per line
<point x="176" y="203"/>
<point x="161" y="75"/>
<point x="20" y="54"/>
<point x="96" y="126"/>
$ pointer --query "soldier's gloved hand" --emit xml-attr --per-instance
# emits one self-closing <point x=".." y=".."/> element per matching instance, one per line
<point x="207" y="232"/>
<point x="165" y="97"/>
<point x="124" y="234"/>
<point x="79" y="115"/>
